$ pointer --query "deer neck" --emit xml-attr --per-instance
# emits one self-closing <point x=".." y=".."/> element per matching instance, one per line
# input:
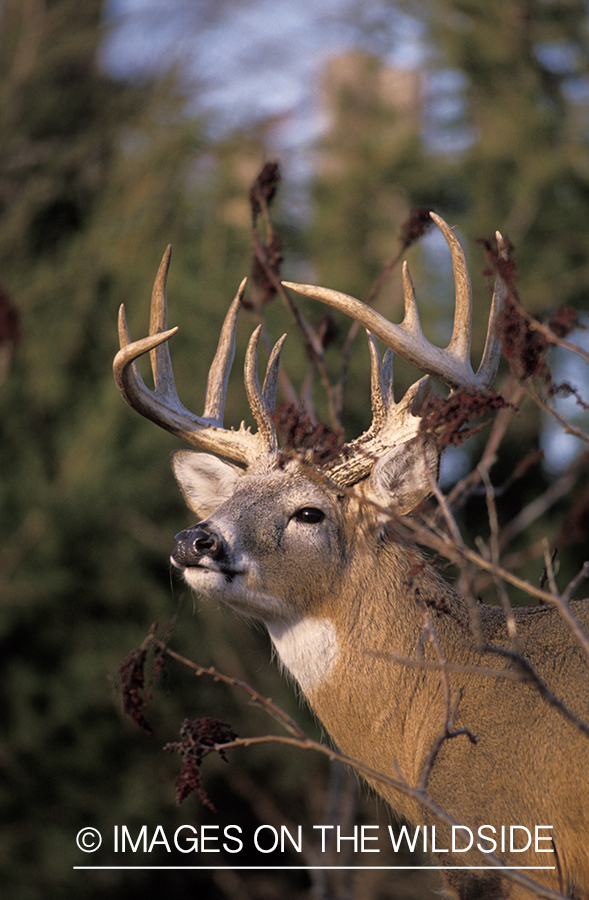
<point x="346" y="660"/>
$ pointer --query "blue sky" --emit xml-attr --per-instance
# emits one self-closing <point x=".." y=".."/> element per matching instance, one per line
<point x="254" y="58"/>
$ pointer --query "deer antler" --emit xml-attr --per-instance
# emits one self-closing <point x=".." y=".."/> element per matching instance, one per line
<point x="452" y="365"/>
<point x="393" y="423"/>
<point x="163" y="406"/>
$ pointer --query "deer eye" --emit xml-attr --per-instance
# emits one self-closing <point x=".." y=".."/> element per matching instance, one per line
<point x="310" y="515"/>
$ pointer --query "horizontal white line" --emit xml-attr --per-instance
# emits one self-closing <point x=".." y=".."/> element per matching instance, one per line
<point x="320" y="868"/>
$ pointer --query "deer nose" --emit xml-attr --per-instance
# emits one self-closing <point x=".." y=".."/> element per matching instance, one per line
<point x="195" y="543"/>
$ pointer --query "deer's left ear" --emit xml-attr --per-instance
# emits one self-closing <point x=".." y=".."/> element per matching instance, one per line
<point x="402" y="477"/>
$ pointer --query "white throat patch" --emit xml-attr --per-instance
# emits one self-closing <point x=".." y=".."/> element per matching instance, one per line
<point x="307" y="648"/>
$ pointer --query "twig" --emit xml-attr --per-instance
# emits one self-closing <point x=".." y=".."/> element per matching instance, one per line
<point x="494" y="555"/>
<point x="553" y="338"/>
<point x="549" y="410"/>
<point x="574" y="583"/>
<point x="445" y="731"/>
<point x="255" y="697"/>
<point x="458" y="553"/>
<point x="312" y="343"/>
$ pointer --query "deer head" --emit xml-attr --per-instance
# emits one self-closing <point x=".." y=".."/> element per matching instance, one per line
<point x="276" y="533"/>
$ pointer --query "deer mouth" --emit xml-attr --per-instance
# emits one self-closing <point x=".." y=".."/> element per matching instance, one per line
<point x="204" y="564"/>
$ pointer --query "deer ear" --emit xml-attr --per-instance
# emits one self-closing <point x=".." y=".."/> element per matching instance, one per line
<point x="205" y="481"/>
<point x="401" y="478"/>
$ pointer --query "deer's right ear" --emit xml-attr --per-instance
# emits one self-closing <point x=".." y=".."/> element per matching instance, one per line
<point x="205" y="481"/>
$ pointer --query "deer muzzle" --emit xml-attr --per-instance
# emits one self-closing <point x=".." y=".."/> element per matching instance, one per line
<point x="198" y="544"/>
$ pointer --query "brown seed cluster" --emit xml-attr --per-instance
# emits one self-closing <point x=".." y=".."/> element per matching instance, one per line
<point x="131" y="682"/>
<point x="199" y="737"/>
<point x="299" y="434"/>
<point x="523" y="346"/>
<point x="267" y="258"/>
<point x="565" y="320"/>
<point x="259" y="275"/>
<point x="415" y="226"/>
<point x="523" y="343"/>
<point x="264" y="187"/>
<point x="445" y="418"/>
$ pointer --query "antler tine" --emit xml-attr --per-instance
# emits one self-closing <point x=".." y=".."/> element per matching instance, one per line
<point x="221" y="366"/>
<point x="408" y="342"/>
<point x="270" y="386"/>
<point x="492" y="352"/>
<point x="261" y="400"/>
<point x="459" y="345"/>
<point x="384" y="406"/>
<point x="381" y="383"/>
<point x="411" y="320"/>
<point x="161" y="364"/>
<point x="127" y="376"/>
<point x="397" y="337"/>
<point x="162" y="404"/>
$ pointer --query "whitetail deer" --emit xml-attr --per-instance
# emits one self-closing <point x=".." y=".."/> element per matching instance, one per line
<point x="309" y="550"/>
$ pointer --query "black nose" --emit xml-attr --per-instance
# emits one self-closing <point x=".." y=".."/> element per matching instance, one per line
<point x="195" y="543"/>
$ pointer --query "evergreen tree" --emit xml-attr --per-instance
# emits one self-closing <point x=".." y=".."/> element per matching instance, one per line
<point x="522" y="111"/>
<point x="96" y="176"/>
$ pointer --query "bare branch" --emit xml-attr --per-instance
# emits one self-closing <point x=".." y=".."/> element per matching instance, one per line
<point x="302" y="741"/>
